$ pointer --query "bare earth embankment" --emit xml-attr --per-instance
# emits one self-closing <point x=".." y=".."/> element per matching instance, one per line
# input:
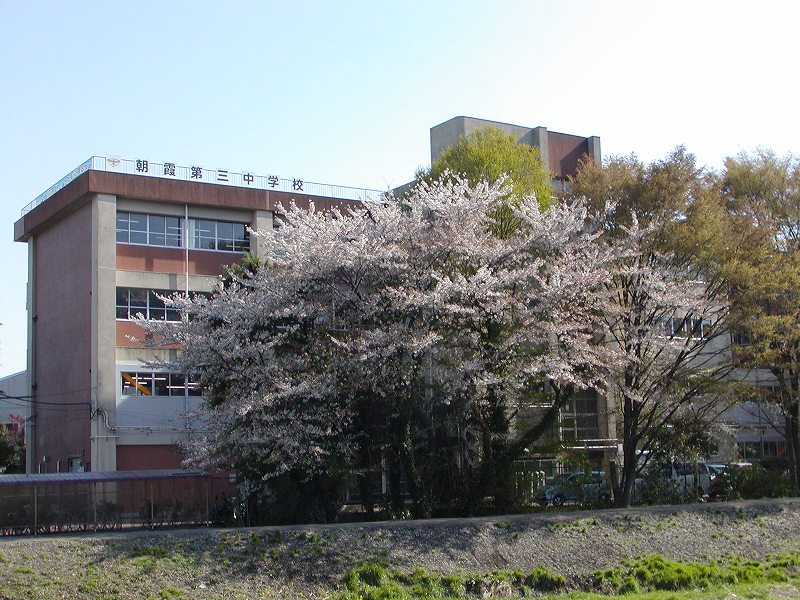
<point x="308" y="562"/>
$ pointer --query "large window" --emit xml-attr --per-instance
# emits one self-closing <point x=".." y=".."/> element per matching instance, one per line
<point x="162" y="230"/>
<point x="682" y="327"/>
<point x="134" y="301"/>
<point x="138" y="383"/>
<point x="206" y="234"/>
<point x="578" y="420"/>
<point x="149" y="230"/>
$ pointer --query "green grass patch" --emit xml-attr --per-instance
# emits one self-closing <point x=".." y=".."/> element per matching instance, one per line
<point x="648" y="577"/>
<point x="655" y="573"/>
<point x="762" y="591"/>
<point x="378" y="581"/>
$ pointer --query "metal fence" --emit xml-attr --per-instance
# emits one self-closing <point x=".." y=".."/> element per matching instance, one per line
<point x="198" y="174"/>
<point x="64" y="502"/>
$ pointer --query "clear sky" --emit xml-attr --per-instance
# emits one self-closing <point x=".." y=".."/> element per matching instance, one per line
<point x="346" y="92"/>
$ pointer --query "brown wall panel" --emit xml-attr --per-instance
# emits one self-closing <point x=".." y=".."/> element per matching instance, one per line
<point x="62" y="345"/>
<point x="161" y="190"/>
<point x="171" y="260"/>
<point x="126" y="330"/>
<point x="152" y="456"/>
<point x="565" y="153"/>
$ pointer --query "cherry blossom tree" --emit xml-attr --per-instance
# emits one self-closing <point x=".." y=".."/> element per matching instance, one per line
<point x="365" y="325"/>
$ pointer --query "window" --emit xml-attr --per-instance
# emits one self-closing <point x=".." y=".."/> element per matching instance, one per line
<point x="683" y="327"/>
<point x="205" y="234"/>
<point x="136" y="383"/>
<point x="166" y="231"/>
<point x="149" y="230"/>
<point x="134" y="301"/>
<point x="748" y="450"/>
<point x="578" y="419"/>
<point x="741" y="337"/>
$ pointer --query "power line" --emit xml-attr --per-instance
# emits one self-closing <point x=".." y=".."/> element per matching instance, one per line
<point x="33" y="400"/>
<point x="40" y="394"/>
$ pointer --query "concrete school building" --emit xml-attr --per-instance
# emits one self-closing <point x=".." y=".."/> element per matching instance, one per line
<point x="114" y="234"/>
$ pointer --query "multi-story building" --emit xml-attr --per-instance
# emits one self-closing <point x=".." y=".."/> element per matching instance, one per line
<point x="104" y="244"/>
<point x="560" y="152"/>
<point x="111" y="238"/>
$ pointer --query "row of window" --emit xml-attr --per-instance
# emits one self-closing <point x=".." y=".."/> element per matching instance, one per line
<point x="684" y="327"/>
<point x="161" y="230"/>
<point x="135" y="301"/>
<point x="764" y="449"/>
<point x="138" y="383"/>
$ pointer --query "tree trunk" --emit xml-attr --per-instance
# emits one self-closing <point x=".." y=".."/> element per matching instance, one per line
<point x="420" y="506"/>
<point x="623" y="495"/>
<point x="792" y="435"/>
<point x="394" y="476"/>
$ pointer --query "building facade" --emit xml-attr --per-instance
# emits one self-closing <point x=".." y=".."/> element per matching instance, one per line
<point x="561" y="152"/>
<point x="115" y="235"/>
<point x="103" y="244"/>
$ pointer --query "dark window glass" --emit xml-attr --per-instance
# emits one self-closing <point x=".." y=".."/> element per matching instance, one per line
<point x="177" y="385"/>
<point x="123" y="227"/>
<point x="225" y="231"/>
<point x="219" y="235"/>
<point x="153" y="230"/>
<point x="138" y="237"/>
<point x="158" y="224"/>
<point x="138" y="222"/>
<point x="138" y="301"/>
<point x="161" y="384"/>
<point x="155" y="300"/>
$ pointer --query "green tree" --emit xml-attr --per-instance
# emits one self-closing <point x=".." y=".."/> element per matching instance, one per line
<point x="667" y="310"/>
<point x="488" y="154"/>
<point x="12" y="450"/>
<point x="762" y="194"/>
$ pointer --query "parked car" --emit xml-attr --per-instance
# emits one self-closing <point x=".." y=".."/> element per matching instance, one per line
<point x="690" y="477"/>
<point x="575" y="487"/>
<point x="721" y="483"/>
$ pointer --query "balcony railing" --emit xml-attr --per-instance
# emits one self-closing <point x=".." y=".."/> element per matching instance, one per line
<point x="244" y="179"/>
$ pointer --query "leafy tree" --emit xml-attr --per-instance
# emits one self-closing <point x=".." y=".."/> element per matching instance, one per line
<point x="762" y="193"/>
<point x="666" y="319"/>
<point x="490" y="155"/>
<point x="12" y="447"/>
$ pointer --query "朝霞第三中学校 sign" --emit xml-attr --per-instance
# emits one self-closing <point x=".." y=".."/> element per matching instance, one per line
<point x="202" y="174"/>
<point x="197" y="173"/>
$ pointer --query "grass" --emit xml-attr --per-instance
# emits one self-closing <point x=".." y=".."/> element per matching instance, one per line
<point x="732" y="592"/>
<point x="377" y="581"/>
<point x="655" y="573"/>
<point x="647" y="577"/>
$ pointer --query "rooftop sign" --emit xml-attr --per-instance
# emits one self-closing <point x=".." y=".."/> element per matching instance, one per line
<point x="200" y="174"/>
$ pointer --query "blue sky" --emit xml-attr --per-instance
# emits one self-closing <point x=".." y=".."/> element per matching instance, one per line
<point x="346" y="92"/>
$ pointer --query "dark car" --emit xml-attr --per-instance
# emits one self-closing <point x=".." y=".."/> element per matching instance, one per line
<point x="591" y="488"/>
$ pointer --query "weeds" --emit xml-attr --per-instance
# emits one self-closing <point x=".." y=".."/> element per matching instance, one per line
<point x="657" y="573"/>
<point x="577" y="526"/>
<point x="372" y="581"/>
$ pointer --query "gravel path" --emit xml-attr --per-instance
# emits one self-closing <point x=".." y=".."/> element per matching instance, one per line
<point x="306" y="562"/>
